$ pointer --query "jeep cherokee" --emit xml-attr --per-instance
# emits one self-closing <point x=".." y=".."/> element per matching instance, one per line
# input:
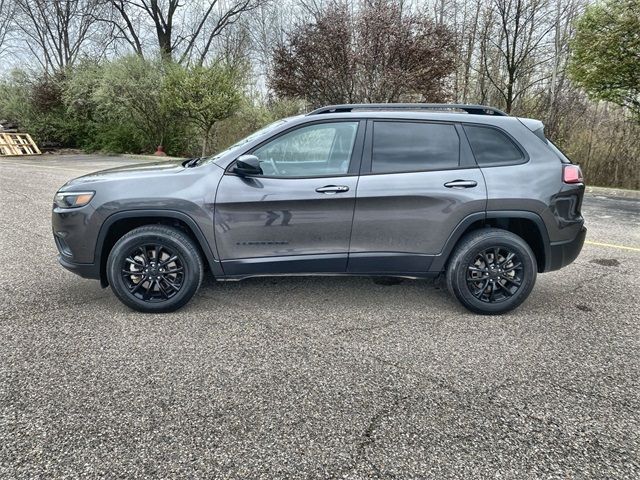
<point x="387" y="190"/>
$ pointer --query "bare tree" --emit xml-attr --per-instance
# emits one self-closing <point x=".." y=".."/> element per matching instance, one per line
<point x="125" y="25"/>
<point x="184" y="31"/>
<point x="7" y="12"/>
<point x="315" y="8"/>
<point x="464" y="18"/>
<point x="266" y="28"/>
<point x="56" y="31"/>
<point x="559" y="98"/>
<point x="514" y="44"/>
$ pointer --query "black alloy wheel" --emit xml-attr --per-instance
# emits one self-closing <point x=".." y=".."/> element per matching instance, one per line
<point x="495" y="275"/>
<point x="153" y="272"/>
<point x="491" y="271"/>
<point x="155" y="268"/>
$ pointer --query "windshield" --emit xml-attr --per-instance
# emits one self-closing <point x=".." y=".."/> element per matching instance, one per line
<point x="245" y="140"/>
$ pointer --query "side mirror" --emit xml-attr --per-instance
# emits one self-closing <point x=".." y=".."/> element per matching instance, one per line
<point x="247" y="165"/>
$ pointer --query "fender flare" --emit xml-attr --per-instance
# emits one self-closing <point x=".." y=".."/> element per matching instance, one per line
<point x="440" y="260"/>
<point x="214" y="265"/>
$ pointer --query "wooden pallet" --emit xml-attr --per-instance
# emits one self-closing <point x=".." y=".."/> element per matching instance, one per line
<point x="17" y="144"/>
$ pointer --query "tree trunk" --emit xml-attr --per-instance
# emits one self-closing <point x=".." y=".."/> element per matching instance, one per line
<point x="205" y="139"/>
<point x="204" y="143"/>
<point x="164" y="42"/>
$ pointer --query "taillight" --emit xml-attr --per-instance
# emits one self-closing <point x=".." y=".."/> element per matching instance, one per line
<point x="572" y="174"/>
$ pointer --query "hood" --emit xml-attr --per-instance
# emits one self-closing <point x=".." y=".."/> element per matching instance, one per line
<point x="153" y="169"/>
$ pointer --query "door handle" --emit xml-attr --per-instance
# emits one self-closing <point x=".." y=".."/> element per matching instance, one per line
<point x="461" y="184"/>
<point x="332" y="189"/>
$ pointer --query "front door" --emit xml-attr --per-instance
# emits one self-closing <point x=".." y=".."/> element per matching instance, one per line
<point x="419" y="181"/>
<point x="296" y="217"/>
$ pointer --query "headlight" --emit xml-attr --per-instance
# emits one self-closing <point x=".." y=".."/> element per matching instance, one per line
<point x="72" y="199"/>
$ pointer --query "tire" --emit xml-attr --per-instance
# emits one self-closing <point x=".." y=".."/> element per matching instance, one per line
<point x="484" y="285"/>
<point x="150" y="286"/>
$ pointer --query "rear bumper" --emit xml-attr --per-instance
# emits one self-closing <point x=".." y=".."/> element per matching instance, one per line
<point x="562" y="254"/>
<point x="85" y="270"/>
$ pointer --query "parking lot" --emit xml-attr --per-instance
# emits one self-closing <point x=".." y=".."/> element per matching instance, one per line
<point x="314" y="377"/>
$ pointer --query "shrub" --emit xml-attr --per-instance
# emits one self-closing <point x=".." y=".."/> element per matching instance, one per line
<point x="204" y="96"/>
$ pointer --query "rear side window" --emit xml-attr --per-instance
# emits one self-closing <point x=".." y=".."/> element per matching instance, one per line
<point x="493" y="148"/>
<point x="412" y="146"/>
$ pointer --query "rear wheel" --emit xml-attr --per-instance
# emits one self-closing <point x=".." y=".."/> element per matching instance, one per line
<point x="491" y="271"/>
<point x="154" y="269"/>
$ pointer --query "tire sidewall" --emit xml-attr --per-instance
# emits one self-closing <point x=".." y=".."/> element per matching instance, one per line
<point x="115" y="262"/>
<point x="457" y="274"/>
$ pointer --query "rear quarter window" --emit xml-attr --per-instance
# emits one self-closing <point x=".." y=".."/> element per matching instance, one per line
<point x="492" y="148"/>
<point x="414" y="146"/>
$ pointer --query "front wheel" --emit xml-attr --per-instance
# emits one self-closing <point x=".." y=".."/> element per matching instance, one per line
<point x="154" y="269"/>
<point x="491" y="271"/>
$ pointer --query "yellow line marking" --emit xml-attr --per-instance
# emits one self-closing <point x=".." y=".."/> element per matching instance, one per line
<point x="611" y="245"/>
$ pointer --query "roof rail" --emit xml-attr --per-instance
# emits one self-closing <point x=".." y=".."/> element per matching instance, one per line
<point x="471" y="109"/>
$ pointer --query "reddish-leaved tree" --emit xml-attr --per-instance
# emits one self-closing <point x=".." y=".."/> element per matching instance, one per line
<point x="377" y="54"/>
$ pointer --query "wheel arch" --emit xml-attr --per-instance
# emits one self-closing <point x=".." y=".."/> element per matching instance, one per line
<point x="527" y="225"/>
<point x="118" y="224"/>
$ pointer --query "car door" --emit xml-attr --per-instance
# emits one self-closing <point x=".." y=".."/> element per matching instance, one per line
<point x="419" y="181"/>
<point x="296" y="216"/>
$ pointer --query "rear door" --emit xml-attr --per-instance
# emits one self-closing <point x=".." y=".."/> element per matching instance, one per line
<point x="419" y="180"/>
<point x="296" y="217"/>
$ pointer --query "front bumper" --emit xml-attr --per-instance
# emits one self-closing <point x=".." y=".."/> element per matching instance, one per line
<point x="562" y="254"/>
<point x="75" y="232"/>
<point x="75" y="252"/>
<point x="85" y="270"/>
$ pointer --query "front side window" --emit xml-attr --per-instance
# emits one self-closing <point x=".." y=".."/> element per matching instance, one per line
<point x="413" y="146"/>
<point x="319" y="150"/>
<point x="491" y="147"/>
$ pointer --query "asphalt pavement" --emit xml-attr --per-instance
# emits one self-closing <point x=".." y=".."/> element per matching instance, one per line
<point x="314" y="377"/>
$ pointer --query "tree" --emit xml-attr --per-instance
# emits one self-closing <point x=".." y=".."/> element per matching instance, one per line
<point x="606" y="53"/>
<point x="56" y="31"/>
<point x="377" y="54"/>
<point x="205" y="95"/>
<point x="7" y="12"/>
<point x="184" y="31"/>
<point x="133" y="90"/>
<point x="514" y="44"/>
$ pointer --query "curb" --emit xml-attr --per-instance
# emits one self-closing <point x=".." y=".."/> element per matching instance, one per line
<point x="614" y="192"/>
<point x="149" y="157"/>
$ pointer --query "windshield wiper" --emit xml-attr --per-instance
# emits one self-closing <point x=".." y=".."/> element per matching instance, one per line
<point x="192" y="162"/>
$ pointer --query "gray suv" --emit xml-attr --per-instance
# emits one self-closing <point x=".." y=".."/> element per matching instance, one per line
<point x="386" y="190"/>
